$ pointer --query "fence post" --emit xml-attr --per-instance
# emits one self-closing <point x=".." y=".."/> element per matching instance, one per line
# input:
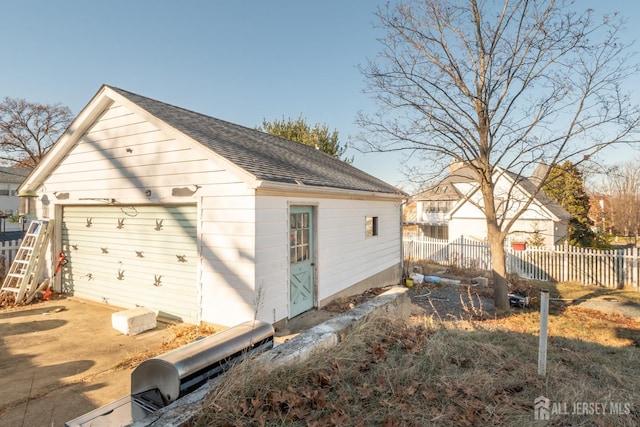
<point x="634" y="268"/>
<point x="544" y="324"/>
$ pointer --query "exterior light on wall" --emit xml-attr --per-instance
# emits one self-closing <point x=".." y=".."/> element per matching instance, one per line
<point x="147" y="193"/>
<point x="27" y="202"/>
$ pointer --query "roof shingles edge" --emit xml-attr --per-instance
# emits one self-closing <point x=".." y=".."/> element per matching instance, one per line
<point x="267" y="157"/>
<point x="14" y="175"/>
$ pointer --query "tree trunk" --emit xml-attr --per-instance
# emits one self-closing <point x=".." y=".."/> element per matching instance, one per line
<point x="500" y="282"/>
<point x="499" y="269"/>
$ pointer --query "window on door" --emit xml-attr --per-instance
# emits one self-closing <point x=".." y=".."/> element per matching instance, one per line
<point x="299" y="237"/>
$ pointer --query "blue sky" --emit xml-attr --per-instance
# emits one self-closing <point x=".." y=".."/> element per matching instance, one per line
<point x="240" y="61"/>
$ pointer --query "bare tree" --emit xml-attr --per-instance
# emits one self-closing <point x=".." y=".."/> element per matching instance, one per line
<point x="624" y="200"/>
<point x="500" y="86"/>
<point x="28" y="130"/>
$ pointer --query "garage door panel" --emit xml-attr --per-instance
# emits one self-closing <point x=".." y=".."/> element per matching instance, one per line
<point x="134" y="256"/>
<point x="132" y="275"/>
<point x="177" y="233"/>
<point x="137" y="254"/>
<point x="135" y="250"/>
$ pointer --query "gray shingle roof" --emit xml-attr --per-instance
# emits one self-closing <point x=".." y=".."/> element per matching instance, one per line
<point x="13" y="175"/>
<point x="445" y="190"/>
<point x="267" y="157"/>
<point x="542" y="197"/>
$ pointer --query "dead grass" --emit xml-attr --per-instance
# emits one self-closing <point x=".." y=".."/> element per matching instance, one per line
<point x="181" y="334"/>
<point x="390" y="372"/>
<point x="571" y="292"/>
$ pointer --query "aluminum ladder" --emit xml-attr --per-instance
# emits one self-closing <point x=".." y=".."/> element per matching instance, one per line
<point x="25" y="270"/>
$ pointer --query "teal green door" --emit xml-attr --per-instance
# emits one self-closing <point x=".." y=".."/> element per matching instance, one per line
<point x="301" y="283"/>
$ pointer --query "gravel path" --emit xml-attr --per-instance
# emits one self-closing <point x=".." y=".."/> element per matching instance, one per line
<point x="451" y="302"/>
<point x="463" y="301"/>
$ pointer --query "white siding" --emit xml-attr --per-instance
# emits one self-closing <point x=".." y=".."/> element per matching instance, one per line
<point x="476" y="228"/>
<point x="228" y="257"/>
<point x="121" y="156"/>
<point x="344" y="255"/>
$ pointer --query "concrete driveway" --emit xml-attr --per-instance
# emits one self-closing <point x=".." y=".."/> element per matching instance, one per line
<point x="57" y="361"/>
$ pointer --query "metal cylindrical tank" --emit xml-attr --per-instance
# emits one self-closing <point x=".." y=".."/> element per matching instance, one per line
<point x="174" y="372"/>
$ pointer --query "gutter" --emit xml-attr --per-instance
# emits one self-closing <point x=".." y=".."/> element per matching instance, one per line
<point x="279" y="188"/>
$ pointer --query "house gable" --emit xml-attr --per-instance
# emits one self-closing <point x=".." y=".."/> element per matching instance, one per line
<point x="113" y="133"/>
<point x="509" y="187"/>
<point x="465" y="217"/>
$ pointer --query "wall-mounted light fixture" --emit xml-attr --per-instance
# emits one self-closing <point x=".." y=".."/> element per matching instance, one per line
<point x="147" y="193"/>
<point x="27" y="202"/>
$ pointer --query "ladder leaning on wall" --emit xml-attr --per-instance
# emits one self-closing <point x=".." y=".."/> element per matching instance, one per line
<point x="23" y="275"/>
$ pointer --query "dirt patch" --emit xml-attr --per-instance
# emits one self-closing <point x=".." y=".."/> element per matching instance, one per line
<point x="340" y="305"/>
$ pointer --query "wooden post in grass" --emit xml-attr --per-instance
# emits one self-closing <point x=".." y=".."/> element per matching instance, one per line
<point x="544" y="323"/>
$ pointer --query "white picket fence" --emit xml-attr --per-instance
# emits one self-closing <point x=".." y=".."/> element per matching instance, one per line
<point x="613" y="268"/>
<point x="8" y="250"/>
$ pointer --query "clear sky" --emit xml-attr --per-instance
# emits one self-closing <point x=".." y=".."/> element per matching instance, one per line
<point x="240" y="61"/>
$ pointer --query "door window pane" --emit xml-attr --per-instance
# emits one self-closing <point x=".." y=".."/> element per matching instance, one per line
<point x="299" y="237"/>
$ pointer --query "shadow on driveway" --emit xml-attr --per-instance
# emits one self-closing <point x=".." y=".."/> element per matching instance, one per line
<point x="57" y="359"/>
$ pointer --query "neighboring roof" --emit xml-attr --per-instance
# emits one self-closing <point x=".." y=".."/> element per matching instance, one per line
<point x="267" y="157"/>
<point x="445" y="189"/>
<point x="13" y="175"/>
<point x="542" y="198"/>
<point x="465" y="174"/>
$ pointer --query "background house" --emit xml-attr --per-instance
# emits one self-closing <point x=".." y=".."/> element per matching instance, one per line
<point x="10" y="180"/>
<point x="450" y="209"/>
<point x="203" y="220"/>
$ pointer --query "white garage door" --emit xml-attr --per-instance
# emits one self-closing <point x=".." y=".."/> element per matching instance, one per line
<point x="132" y="256"/>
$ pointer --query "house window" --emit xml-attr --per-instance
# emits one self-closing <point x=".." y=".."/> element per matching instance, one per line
<point x="436" y="231"/>
<point x="438" y="206"/>
<point x="371" y="225"/>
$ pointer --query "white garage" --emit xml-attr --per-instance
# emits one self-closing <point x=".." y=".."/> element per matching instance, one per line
<point x="200" y="219"/>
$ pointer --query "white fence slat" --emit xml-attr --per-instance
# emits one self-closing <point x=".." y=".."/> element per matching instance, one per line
<point x="8" y="250"/>
<point x="611" y="268"/>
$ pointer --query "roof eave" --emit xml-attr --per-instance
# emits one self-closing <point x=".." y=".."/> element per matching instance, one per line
<point x="273" y="188"/>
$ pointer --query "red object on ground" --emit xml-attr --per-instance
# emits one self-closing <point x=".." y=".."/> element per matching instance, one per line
<point x="62" y="260"/>
<point x="47" y="294"/>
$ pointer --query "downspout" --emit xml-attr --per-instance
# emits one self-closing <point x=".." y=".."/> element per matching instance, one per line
<point x="402" y="266"/>
<point x="200" y="296"/>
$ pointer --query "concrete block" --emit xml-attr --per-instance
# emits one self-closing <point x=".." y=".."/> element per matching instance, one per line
<point x="134" y="321"/>
<point x="482" y="281"/>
